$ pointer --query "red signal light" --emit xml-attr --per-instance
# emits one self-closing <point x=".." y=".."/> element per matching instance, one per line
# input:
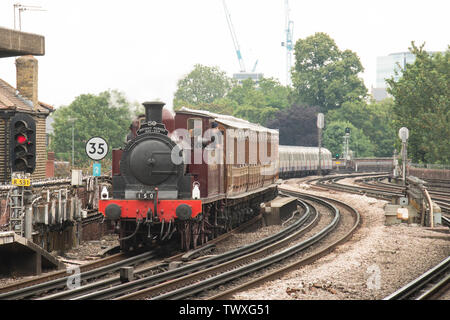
<point x="21" y="139"/>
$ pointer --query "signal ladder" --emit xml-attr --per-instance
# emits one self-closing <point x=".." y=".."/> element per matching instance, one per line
<point x="18" y="211"/>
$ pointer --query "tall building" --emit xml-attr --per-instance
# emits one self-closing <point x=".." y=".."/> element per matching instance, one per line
<point x="387" y="66"/>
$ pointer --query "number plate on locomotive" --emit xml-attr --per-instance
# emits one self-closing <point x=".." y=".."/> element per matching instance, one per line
<point x="149" y="195"/>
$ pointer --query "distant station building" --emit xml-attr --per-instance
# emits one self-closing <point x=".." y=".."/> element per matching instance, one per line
<point x="23" y="98"/>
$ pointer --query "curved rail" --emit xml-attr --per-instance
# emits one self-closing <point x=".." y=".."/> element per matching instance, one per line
<point x="145" y="286"/>
<point x="215" y="281"/>
<point x="308" y="259"/>
<point x="417" y="284"/>
<point x="223" y="275"/>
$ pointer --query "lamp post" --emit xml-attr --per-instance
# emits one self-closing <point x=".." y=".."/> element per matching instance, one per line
<point x="73" y="134"/>
<point x="320" y="125"/>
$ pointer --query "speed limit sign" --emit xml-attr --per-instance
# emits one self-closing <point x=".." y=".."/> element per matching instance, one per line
<point x="96" y="148"/>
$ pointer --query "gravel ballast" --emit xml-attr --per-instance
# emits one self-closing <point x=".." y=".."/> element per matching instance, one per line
<point x="375" y="262"/>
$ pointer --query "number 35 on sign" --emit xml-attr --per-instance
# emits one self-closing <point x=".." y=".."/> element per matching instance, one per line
<point x="96" y="148"/>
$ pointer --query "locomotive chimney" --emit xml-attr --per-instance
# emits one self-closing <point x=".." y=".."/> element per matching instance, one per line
<point x="153" y="111"/>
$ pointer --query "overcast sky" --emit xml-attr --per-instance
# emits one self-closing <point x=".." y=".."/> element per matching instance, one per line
<point x="143" y="48"/>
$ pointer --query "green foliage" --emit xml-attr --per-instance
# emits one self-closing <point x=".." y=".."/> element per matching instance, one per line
<point x="210" y="89"/>
<point x="258" y="103"/>
<point x="422" y="104"/>
<point x="359" y="142"/>
<point x="106" y="115"/>
<point x="255" y="114"/>
<point x="202" y="85"/>
<point x="375" y="121"/>
<point x="325" y="76"/>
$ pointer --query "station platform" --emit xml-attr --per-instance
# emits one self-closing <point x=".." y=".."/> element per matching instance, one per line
<point x="20" y="256"/>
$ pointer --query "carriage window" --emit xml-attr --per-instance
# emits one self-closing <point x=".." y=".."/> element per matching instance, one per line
<point x="194" y="127"/>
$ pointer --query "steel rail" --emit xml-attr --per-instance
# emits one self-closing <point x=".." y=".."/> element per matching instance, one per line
<point x="102" y="262"/>
<point x="194" y="268"/>
<point x="436" y="290"/>
<point x="60" y="273"/>
<point x="417" y="284"/>
<point x="446" y="221"/>
<point x="228" y="276"/>
<point x="95" y="286"/>
<point x="301" y="262"/>
<point x="62" y="282"/>
<point x="330" y="183"/>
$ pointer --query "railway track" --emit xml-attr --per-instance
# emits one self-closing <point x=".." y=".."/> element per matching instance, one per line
<point x="192" y="272"/>
<point x="248" y="259"/>
<point x="178" y="275"/>
<point x="439" y="192"/>
<point x="60" y="283"/>
<point x="92" y="275"/>
<point x="435" y="281"/>
<point x="59" y="274"/>
<point x="430" y="285"/>
<point x="371" y="184"/>
<point x="298" y="262"/>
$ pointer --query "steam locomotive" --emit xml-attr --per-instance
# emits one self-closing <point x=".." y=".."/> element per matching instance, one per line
<point x="193" y="176"/>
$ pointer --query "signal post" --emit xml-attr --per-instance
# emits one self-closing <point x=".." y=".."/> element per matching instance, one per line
<point x="22" y="154"/>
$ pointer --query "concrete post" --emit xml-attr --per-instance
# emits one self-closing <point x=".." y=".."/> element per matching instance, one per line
<point x="29" y="223"/>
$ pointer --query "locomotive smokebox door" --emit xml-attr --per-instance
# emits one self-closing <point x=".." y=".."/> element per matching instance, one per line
<point x="150" y="161"/>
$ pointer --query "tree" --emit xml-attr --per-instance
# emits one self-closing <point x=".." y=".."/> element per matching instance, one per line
<point x="297" y="126"/>
<point x="106" y="115"/>
<point x="359" y="143"/>
<point x="258" y="102"/>
<point x="325" y="76"/>
<point x="202" y="85"/>
<point x="254" y="114"/>
<point x="422" y="104"/>
<point x="375" y="121"/>
<point x="210" y="89"/>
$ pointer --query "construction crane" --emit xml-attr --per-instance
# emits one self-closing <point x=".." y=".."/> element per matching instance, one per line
<point x="289" y="30"/>
<point x="233" y="36"/>
<point x="243" y="74"/>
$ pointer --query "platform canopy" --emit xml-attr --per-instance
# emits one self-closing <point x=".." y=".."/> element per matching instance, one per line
<point x="17" y="43"/>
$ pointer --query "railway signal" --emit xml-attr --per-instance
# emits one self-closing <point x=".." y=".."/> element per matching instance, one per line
<point x="320" y="125"/>
<point x="403" y="134"/>
<point x="23" y="143"/>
